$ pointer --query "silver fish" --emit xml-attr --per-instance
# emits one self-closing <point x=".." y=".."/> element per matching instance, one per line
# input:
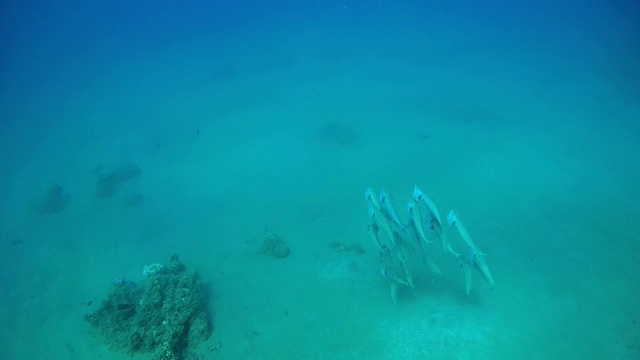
<point x="382" y="222"/>
<point x="418" y="195"/>
<point x="391" y="275"/>
<point x="434" y="219"/>
<point x="413" y="209"/>
<point x="372" y="199"/>
<point x="373" y="230"/>
<point x="387" y="206"/>
<point x="475" y="258"/>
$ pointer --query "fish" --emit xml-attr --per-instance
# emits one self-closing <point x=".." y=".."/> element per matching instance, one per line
<point x="478" y="261"/>
<point x="426" y="259"/>
<point x="381" y="222"/>
<point x="386" y="205"/>
<point x="415" y="216"/>
<point x="391" y="275"/>
<point x="394" y="292"/>
<point x="432" y="266"/>
<point x="475" y="258"/>
<point x="466" y="267"/>
<point x="372" y="199"/>
<point x="452" y="219"/>
<point x="434" y="219"/>
<point x="403" y="251"/>
<point x="373" y="230"/>
<point x="418" y="195"/>
<point x="388" y="270"/>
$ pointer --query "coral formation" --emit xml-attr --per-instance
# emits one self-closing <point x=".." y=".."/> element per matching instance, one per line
<point x="164" y="316"/>
<point x="151" y="270"/>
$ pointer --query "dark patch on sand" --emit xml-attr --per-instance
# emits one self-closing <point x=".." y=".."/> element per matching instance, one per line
<point x="338" y="133"/>
<point x="54" y="200"/>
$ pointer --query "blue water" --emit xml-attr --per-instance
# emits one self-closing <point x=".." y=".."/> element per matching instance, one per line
<point x="256" y="118"/>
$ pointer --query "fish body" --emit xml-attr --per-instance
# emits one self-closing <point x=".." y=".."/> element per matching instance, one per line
<point x="394" y="292"/>
<point x="391" y="275"/>
<point x="382" y="223"/>
<point x="389" y="265"/>
<point x="403" y="252"/>
<point x="386" y="205"/>
<point x="481" y="264"/>
<point x="372" y="199"/>
<point x="432" y="266"/>
<point x="435" y="222"/>
<point x="393" y="284"/>
<point x="395" y="280"/>
<point x="475" y="258"/>
<point x="466" y="267"/>
<point x="418" y="195"/>
<point x="413" y="209"/>
<point x="374" y="230"/>
<point x="452" y="219"/>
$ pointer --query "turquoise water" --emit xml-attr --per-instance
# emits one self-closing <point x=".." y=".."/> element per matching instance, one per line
<point x="248" y="120"/>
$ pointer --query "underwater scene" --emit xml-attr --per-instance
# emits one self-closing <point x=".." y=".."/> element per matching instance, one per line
<point x="335" y="179"/>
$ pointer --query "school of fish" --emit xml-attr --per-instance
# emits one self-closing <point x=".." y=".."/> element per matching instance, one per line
<point x="402" y="243"/>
